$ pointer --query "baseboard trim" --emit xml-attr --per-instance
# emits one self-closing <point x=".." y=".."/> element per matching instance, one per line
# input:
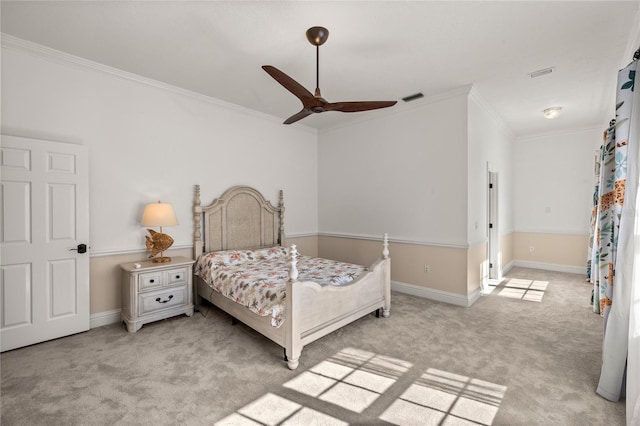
<point x="105" y="318"/>
<point x="113" y="317"/>
<point x="438" y="295"/>
<point x="474" y="296"/>
<point x="507" y="268"/>
<point x="551" y="266"/>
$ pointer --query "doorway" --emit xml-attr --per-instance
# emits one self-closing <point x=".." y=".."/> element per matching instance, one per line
<point x="493" y="235"/>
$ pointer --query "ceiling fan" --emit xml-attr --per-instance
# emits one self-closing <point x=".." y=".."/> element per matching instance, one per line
<point x="316" y="103"/>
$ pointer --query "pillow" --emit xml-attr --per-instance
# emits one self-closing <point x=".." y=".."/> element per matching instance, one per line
<point x="219" y="259"/>
<point x="270" y="253"/>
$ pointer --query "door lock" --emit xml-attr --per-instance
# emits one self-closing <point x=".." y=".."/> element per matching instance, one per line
<point x="82" y="248"/>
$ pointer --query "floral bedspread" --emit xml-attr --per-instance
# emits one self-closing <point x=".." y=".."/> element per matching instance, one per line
<point x="257" y="278"/>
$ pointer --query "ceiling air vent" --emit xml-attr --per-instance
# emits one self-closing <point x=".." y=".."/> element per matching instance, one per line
<point x="413" y="97"/>
<point x="541" y="72"/>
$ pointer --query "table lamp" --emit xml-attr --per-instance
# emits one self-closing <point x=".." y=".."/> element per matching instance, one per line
<point x="158" y="214"/>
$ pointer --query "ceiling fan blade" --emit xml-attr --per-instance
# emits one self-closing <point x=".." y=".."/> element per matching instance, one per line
<point x="290" y="84"/>
<point x="299" y="116"/>
<point x="357" y="106"/>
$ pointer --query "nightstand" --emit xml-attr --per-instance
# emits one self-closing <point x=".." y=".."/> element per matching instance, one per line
<point x="155" y="291"/>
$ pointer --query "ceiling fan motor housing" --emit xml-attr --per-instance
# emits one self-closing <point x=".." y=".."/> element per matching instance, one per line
<point x="317" y="35"/>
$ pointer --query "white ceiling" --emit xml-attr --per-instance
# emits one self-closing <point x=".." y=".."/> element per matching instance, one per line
<point x="377" y="50"/>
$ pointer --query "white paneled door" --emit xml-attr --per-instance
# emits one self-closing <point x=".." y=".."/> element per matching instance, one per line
<point x="44" y="223"/>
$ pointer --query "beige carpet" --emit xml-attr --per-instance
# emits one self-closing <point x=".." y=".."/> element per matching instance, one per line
<point x="527" y="354"/>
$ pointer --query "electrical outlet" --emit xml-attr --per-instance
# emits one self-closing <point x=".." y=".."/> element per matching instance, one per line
<point x="427" y="269"/>
<point x="532" y="249"/>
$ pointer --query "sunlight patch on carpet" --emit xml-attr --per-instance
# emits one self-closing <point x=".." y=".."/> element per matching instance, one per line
<point x="531" y="290"/>
<point x="307" y="416"/>
<point x="354" y="380"/>
<point x="440" y="397"/>
<point x="275" y="410"/>
<point x="351" y="379"/>
<point x="270" y="409"/>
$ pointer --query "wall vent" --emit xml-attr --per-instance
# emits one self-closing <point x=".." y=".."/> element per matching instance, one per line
<point x="541" y="72"/>
<point x="413" y="97"/>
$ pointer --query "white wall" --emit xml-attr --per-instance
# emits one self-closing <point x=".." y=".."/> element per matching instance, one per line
<point x="419" y="174"/>
<point x="149" y="143"/>
<point x="490" y="144"/>
<point x="554" y="183"/>
<point x="404" y="173"/>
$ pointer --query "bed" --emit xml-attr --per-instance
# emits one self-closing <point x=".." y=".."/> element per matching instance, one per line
<point x="241" y="224"/>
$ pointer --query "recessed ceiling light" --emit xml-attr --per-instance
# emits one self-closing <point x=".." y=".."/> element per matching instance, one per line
<point x="552" y="112"/>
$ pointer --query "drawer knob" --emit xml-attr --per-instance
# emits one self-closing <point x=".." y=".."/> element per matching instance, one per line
<point x="152" y="281"/>
<point x="159" y="300"/>
<point x="177" y="277"/>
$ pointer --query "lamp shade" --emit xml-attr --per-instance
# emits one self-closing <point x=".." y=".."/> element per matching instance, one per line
<point x="159" y="214"/>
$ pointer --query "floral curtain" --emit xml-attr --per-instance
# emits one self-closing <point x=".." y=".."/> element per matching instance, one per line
<point x="610" y="199"/>
<point x="592" y="266"/>
<point x="593" y="262"/>
<point x="613" y="265"/>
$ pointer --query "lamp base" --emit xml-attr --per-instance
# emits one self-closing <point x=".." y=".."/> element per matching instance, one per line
<point x="163" y="259"/>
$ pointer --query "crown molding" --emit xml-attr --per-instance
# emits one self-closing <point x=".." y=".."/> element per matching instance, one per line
<point x="43" y="52"/>
<point x="403" y="107"/>
<point x="562" y="133"/>
<point x="486" y="107"/>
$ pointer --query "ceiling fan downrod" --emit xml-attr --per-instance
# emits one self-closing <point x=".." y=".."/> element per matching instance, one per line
<point x="317" y="36"/>
<point x="317" y="93"/>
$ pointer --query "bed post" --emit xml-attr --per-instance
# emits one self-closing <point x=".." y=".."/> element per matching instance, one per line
<point x="197" y="217"/>
<point x="386" y="275"/>
<point x="385" y="246"/>
<point x="281" y="208"/>
<point x="197" y="243"/>
<point x="292" y="323"/>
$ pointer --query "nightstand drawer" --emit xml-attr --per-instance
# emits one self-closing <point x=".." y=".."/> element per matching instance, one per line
<point x="176" y="276"/>
<point x="158" y="300"/>
<point x="150" y="281"/>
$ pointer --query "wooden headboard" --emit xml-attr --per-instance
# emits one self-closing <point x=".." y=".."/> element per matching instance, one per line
<point x="240" y="219"/>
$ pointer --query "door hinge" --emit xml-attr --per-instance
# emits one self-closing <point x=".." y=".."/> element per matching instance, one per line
<point x="490" y="265"/>
<point x="490" y="186"/>
<point x="490" y="225"/>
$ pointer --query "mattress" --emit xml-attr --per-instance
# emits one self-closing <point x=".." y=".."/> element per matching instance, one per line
<point x="257" y="278"/>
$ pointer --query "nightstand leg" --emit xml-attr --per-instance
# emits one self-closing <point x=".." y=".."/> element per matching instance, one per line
<point x="133" y="327"/>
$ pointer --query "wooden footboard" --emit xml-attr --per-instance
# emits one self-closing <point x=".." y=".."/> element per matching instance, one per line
<point x="314" y="311"/>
